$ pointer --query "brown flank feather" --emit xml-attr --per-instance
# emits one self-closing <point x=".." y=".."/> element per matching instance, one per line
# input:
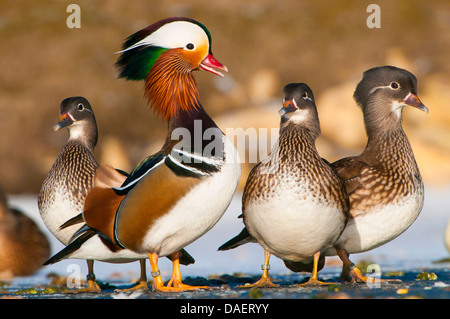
<point x="102" y="201"/>
<point x="150" y="199"/>
<point x="170" y="86"/>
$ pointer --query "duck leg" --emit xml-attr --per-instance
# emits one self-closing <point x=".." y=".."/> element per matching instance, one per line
<point x="92" y="287"/>
<point x="313" y="280"/>
<point x="265" y="281"/>
<point x="175" y="281"/>
<point x="158" y="283"/>
<point x="351" y="273"/>
<point x="142" y="285"/>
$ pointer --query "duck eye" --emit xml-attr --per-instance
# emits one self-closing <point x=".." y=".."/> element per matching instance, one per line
<point x="80" y="106"/>
<point x="305" y="95"/>
<point x="190" y="46"/>
<point x="395" y="85"/>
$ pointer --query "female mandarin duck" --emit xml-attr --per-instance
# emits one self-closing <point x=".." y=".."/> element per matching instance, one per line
<point x="64" y="190"/>
<point x="384" y="184"/>
<point x="175" y="196"/>
<point x="294" y="203"/>
<point x="23" y="246"/>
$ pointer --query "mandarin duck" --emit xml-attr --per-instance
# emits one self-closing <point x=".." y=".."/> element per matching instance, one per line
<point x="63" y="192"/>
<point x="176" y="195"/>
<point x="23" y="246"/>
<point x="294" y="203"/>
<point x="383" y="183"/>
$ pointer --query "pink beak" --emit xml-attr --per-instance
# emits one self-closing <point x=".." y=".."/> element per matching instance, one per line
<point x="210" y="64"/>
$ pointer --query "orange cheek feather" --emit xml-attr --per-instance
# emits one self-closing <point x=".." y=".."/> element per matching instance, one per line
<point x="196" y="56"/>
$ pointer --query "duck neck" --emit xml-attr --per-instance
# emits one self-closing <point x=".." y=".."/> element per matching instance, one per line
<point x="193" y="130"/>
<point x="380" y="119"/>
<point x="85" y="133"/>
<point x="296" y="142"/>
<point x="170" y="86"/>
<point x="390" y="148"/>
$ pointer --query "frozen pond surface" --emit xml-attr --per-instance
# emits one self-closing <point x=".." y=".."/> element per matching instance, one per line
<point x="412" y="252"/>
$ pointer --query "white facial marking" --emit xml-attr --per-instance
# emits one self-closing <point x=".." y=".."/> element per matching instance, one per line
<point x="378" y="87"/>
<point x="397" y="108"/>
<point x="300" y="115"/>
<point x="173" y="35"/>
<point x="384" y="87"/>
<point x="306" y="97"/>
<point x="76" y="130"/>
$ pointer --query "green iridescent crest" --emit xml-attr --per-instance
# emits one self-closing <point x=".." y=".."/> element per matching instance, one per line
<point x="135" y="64"/>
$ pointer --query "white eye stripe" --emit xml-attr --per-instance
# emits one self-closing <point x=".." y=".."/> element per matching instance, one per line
<point x="174" y="35"/>
<point x="378" y="87"/>
<point x="305" y="96"/>
<point x="384" y="87"/>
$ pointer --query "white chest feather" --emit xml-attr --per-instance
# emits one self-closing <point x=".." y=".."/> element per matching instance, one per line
<point x="381" y="224"/>
<point x="294" y="227"/>
<point x="60" y="209"/>
<point x="198" y="211"/>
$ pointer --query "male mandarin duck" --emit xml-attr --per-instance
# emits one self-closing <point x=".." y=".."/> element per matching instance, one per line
<point x="294" y="203"/>
<point x="64" y="190"/>
<point x="175" y="196"/>
<point x="383" y="183"/>
<point x="23" y="246"/>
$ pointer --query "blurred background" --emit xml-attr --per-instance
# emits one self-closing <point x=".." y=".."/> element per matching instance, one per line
<point x="264" y="43"/>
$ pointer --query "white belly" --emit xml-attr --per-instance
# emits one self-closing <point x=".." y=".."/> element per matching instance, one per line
<point x="63" y="209"/>
<point x="60" y="211"/>
<point x="198" y="211"/>
<point x="293" y="229"/>
<point x="94" y="249"/>
<point x="380" y="225"/>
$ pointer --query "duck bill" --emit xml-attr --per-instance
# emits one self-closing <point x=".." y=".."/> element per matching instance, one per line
<point x="413" y="100"/>
<point x="210" y="64"/>
<point x="288" y="106"/>
<point x="64" y="120"/>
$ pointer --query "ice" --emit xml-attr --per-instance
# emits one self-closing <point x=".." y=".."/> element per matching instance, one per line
<point x="421" y="244"/>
